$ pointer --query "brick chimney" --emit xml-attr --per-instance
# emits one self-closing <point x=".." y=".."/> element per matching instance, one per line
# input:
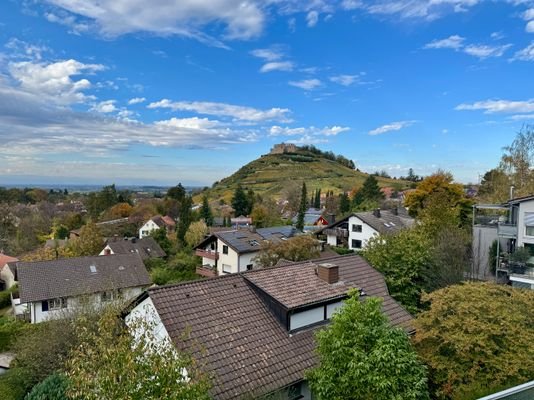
<point x="376" y="213"/>
<point x="328" y="273"/>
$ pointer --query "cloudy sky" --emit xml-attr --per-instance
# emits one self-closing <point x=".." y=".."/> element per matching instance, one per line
<point x="102" y="91"/>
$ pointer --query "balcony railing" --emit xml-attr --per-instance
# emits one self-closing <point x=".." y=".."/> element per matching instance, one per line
<point x="206" y="271"/>
<point x="337" y="232"/>
<point x="211" y="254"/>
<point x="507" y="230"/>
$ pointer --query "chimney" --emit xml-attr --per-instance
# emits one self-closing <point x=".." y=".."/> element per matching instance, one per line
<point x="512" y="188"/>
<point x="331" y="218"/>
<point x="376" y="213"/>
<point x="252" y="228"/>
<point x="328" y="273"/>
<point x="134" y="240"/>
<point x="395" y="211"/>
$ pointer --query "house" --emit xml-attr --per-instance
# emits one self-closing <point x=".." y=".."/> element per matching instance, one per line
<point x="241" y="221"/>
<point x="313" y="219"/>
<point x="511" y="225"/>
<point x="51" y="288"/>
<point x="254" y="332"/>
<point x="234" y="251"/>
<point x="355" y="230"/>
<point x="155" y="223"/>
<point x="146" y="247"/>
<point x="7" y="278"/>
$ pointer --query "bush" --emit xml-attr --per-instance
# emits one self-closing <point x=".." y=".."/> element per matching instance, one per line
<point x="12" y="385"/>
<point x="5" y="298"/>
<point x="342" y="250"/>
<point x="52" y="388"/>
<point x="10" y="329"/>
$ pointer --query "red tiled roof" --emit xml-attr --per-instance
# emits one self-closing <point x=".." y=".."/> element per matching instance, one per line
<point x="4" y="259"/>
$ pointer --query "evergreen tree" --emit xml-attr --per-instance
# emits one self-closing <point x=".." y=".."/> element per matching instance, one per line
<point x="371" y="191"/>
<point x="317" y="200"/>
<point x="185" y="218"/>
<point x="251" y="199"/>
<point x="205" y="211"/>
<point x="302" y="208"/>
<point x="240" y="201"/>
<point x="344" y="203"/>
<point x="176" y="192"/>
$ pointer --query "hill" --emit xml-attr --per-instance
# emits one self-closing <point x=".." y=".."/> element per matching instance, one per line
<point x="288" y="165"/>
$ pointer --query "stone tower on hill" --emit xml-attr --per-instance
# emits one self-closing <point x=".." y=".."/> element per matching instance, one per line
<point x="282" y="148"/>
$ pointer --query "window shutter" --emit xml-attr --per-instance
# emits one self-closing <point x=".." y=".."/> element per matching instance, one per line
<point x="44" y="305"/>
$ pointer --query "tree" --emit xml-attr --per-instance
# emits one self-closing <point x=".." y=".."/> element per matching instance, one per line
<point x="494" y="186"/>
<point x="185" y="219"/>
<point x="402" y="258"/>
<point x="240" y="201"/>
<point x="370" y="190"/>
<point x="317" y="199"/>
<point x="476" y="336"/>
<point x="518" y="160"/>
<point x="361" y="356"/>
<point x="97" y="202"/>
<point x="196" y="233"/>
<point x="116" y="362"/>
<point x="439" y="184"/>
<point x="160" y="236"/>
<point x="298" y="248"/>
<point x="177" y="193"/>
<point x="90" y="242"/>
<point x="302" y="207"/>
<point x="119" y="210"/>
<point x="344" y="203"/>
<point x="205" y="211"/>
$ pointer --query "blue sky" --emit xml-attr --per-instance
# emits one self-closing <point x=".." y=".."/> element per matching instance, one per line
<point x="189" y="90"/>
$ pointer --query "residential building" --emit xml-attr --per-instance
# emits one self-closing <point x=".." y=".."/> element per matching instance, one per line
<point x="155" y="223"/>
<point x="355" y="230"/>
<point x="511" y="225"/>
<point x="254" y="332"/>
<point x="146" y="247"/>
<point x="7" y="278"/>
<point x="313" y="219"/>
<point x="49" y="289"/>
<point x="234" y="251"/>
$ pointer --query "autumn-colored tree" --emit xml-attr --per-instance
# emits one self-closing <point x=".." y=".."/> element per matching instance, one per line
<point x="439" y="184"/>
<point x="120" y="210"/>
<point x="298" y="248"/>
<point x="115" y="362"/>
<point x="196" y="233"/>
<point x="361" y="356"/>
<point x="476" y="336"/>
<point x="90" y="242"/>
<point x="518" y="161"/>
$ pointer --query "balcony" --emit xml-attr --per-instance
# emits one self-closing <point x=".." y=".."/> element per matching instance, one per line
<point x="210" y="254"/>
<point x="507" y="230"/>
<point x="206" y="271"/>
<point x="337" y="232"/>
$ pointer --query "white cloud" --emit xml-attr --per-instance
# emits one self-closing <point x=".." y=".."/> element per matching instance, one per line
<point x="312" y="18"/>
<point x="452" y="42"/>
<point x="240" y="113"/>
<point x="499" y="106"/>
<point x="497" y="35"/>
<point x="345" y="80"/>
<point x="352" y="4"/>
<point x="424" y="9"/>
<point x="70" y="21"/>
<point x="136" y="100"/>
<point x="522" y="117"/>
<point x="456" y="42"/>
<point x="529" y="14"/>
<point x="485" y="51"/>
<point x="303" y="131"/>
<point x="306" y="84"/>
<point x="105" y="107"/>
<point x="24" y="50"/>
<point x="54" y="80"/>
<point x="393" y="126"/>
<point x="242" y="20"/>
<point x="189" y="123"/>
<point x="526" y="54"/>
<point x="277" y="66"/>
<point x="271" y="54"/>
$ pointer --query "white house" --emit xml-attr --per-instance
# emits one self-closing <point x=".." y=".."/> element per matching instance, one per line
<point x="512" y="225"/>
<point x="155" y="223"/>
<point x="234" y="251"/>
<point x="355" y="230"/>
<point x="254" y="332"/>
<point x="49" y="289"/>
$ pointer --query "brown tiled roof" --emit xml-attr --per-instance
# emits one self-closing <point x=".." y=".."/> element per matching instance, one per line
<point x="168" y="221"/>
<point x="239" y="340"/>
<point x="4" y="259"/>
<point x="146" y="247"/>
<point x="66" y="277"/>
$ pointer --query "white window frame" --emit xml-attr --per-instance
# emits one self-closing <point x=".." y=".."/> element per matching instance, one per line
<point x="57" y="303"/>
<point x="226" y="267"/>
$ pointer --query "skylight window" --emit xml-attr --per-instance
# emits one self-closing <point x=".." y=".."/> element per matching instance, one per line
<point x="254" y="243"/>
<point x="93" y="269"/>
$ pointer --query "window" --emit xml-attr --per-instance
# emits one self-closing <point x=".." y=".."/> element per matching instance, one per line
<point x="356" y="244"/>
<point x="356" y="228"/>
<point x="227" y="269"/>
<point x="529" y="231"/>
<point x="225" y="249"/>
<point x="529" y="224"/>
<point x="57" y="304"/>
<point x="106" y="296"/>
<point x="249" y="267"/>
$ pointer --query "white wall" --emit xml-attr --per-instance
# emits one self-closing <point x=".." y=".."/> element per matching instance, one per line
<point x="245" y="259"/>
<point x="76" y="303"/>
<point x="527" y="206"/>
<point x="231" y="258"/>
<point x="148" y="227"/>
<point x="146" y="311"/>
<point x="366" y="233"/>
<point x="7" y="276"/>
<point x="331" y="240"/>
<point x="305" y="318"/>
<point x="103" y="252"/>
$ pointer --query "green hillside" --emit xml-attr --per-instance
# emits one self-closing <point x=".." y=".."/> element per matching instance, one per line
<point x="270" y="174"/>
